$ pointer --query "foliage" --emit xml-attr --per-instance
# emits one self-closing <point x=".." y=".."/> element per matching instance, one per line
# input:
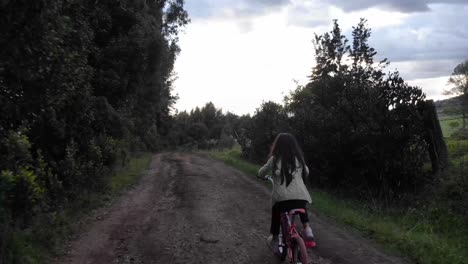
<point x="81" y="84"/>
<point x="21" y="194"/>
<point x="128" y="175"/>
<point x="269" y="120"/>
<point x="45" y="237"/>
<point x="361" y="129"/>
<point x="206" y="127"/>
<point x="453" y="187"/>
<point x="459" y="80"/>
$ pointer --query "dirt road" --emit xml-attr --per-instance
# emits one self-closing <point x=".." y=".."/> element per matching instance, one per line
<point x="193" y="209"/>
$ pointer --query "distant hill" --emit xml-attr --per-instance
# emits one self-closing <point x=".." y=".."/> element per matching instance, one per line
<point x="449" y="101"/>
<point x="454" y="102"/>
<point x="447" y="113"/>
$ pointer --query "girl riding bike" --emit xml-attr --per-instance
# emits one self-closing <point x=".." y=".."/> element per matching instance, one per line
<point x="287" y="167"/>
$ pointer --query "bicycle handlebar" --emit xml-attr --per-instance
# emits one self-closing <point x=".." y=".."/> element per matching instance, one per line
<point x="268" y="178"/>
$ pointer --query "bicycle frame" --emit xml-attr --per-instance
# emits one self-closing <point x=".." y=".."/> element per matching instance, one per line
<point x="289" y="231"/>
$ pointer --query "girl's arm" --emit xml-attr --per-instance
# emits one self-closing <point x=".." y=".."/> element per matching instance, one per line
<point x="266" y="168"/>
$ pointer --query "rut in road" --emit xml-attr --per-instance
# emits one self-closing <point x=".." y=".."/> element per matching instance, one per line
<point x="193" y="209"/>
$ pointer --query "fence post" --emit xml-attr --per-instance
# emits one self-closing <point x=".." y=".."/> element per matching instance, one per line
<point x="434" y="137"/>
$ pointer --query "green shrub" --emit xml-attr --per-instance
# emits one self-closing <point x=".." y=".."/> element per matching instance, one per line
<point x="225" y="141"/>
<point x="454" y="188"/>
<point x="23" y="194"/>
<point x="16" y="150"/>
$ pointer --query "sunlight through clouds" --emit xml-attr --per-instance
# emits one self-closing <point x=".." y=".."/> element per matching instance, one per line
<point x="239" y="69"/>
<point x="240" y="53"/>
<point x="433" y="87"/>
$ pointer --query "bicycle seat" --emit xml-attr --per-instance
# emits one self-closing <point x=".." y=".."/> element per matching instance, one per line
<point x="296" y="211"/>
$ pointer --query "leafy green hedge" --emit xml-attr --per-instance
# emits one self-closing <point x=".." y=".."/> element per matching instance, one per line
<point x="45" y="236"/>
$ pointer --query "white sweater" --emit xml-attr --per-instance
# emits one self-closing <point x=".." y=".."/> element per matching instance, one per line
<point x="296" y="190"/>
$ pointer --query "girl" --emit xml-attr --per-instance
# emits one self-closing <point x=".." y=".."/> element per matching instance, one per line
<point x="287" y="167"/>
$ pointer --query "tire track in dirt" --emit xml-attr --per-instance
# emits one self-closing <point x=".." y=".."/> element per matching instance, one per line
<point x="193" y="209"/>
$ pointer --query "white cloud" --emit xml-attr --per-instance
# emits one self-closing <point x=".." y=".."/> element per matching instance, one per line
<point x="432" y="87"/>
<point x="237" y="70"/>
<point x="404" y="6"/>
<point x="424" y="69"/>
<point x="376" y="18"/>
<point x="437" y="35"/>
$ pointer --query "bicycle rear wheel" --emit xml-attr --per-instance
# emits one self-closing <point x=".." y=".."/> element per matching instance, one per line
<point x="299" y="251"/>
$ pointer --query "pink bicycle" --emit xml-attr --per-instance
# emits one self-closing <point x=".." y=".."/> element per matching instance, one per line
<point x="291" y="245"/>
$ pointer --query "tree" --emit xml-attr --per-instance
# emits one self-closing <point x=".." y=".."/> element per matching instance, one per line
<point x="80" y="82"/>
<point x="459" y="80"/>
<point x="358" y="126"/>
<point x="269" y="120"/>
<point x="205" y="127"/>
<point x="213" y="120"/>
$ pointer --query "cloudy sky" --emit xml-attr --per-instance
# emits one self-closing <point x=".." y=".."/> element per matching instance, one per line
<point x="238" y="53"/>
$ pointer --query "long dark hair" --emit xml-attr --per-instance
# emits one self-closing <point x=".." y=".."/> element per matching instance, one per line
<point x="286" y="149"/>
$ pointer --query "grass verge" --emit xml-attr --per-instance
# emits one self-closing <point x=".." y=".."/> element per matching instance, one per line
<point x="447" y="128"/>
<point x="425" y="235"/>
<point x="47" y="235"/>
<point x="129" y="175"/>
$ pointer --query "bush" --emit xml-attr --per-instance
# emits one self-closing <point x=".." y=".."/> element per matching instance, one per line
<point x="225" y="142"/>
<point x="454" y="189"/>
<point x="15" y="150"/>
<point x="362" y="131"/>
<point x="21" y="194"/>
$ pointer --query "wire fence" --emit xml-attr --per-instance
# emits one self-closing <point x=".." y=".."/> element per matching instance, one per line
<point x="448" y="117"/>
<point x="452" y="118"/>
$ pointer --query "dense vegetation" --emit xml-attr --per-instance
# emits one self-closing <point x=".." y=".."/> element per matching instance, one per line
<point x="423" y="218"/>
<point x="364" y="131"/>
<point x="203" y="128"/>
<point x="82" y="84"/>
<point x="359" y="126"/>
